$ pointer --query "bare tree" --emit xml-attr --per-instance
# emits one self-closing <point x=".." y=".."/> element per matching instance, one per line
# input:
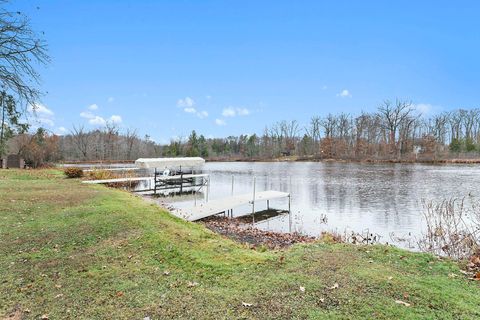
<point x="110" y="133"/>
<point x="21" y="50"/>
<point x="131" y="137"/>
<point x="81" y="139"/>
<point x="313" y="131"/>
<point x="290" y="131"/>
<point x="394" y="115"/>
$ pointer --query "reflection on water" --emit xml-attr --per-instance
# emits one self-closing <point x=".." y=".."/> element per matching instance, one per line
<point x="383" y="198"/>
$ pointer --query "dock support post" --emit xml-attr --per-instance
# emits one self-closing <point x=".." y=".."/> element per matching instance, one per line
<point x="268" y="204"/>
<point x="208" y="187"/>
<point x="233" y="180"/>
<point x="253" y="202"/>
<point x="289" y="214"/>
<point x="195" y="196"/>
<point x="155" y="182"/>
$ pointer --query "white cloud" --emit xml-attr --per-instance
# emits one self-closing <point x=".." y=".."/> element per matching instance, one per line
<point x="97" y="120"/>
<point x="344" y="94"/>
<point x="40" y="109"/>
<point x="48" y="122"/>
<point x="110" y="99"/>
<point x="185" y="103"/>
<point x="87" y="115"/>
<point x="61" y="131"/>
<point x="116" y="119"/>
<point x="243" y="111"/>
<point x="220" y="122"/>
<point x="324" y="87"/>
<point x="232" y="112"/>
<point x="43" y="115"/>
<point x="188" y="106"/>
<point x="423" y="108"/>
<point x="229" y="112"/>
<point x="202" y="114"/>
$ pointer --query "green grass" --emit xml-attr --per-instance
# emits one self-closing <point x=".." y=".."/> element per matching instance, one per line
<point x="74" y="251"/>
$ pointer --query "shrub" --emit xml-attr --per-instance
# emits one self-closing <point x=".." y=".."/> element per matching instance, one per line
<point x="100" y="174"/>
<point x="73" y="172"/>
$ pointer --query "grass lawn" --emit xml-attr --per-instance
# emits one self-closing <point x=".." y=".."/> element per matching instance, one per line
<point x="73" y="251"/>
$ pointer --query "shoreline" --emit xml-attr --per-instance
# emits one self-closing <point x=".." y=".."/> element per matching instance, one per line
<point x="363" y="161"/>
<point x="298" y="159"/>
<point x="239" y="231"/>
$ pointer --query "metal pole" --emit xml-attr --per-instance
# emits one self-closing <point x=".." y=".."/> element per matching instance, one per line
<point x="253" y="202"/>
<point x="289" y="215"/>
<point x="195" y="195"/>
<point x="208" y="187"/>
<point x="155" y="182"/>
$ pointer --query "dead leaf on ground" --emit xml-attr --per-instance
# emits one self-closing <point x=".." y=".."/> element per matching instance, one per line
<point x="119" y="293"/>
<point x="406" y="304"/>
<point x="192" y="284"/>
<point x="44" y="317"/>
<point x="302" y="289"/>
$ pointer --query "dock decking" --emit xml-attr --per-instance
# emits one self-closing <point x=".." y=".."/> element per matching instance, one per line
<point x="214" y="207"/>
<point x="165" y="178"/>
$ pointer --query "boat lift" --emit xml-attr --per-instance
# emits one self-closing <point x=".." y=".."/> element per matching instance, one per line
<point x="170" y="174"/>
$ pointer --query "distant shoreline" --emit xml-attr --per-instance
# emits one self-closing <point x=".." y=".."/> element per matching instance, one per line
<point x="301" y="159"/>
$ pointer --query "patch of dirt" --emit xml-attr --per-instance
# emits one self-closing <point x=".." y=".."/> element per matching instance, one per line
<point x="236" y="230"/>
<point x="14" y="315"/>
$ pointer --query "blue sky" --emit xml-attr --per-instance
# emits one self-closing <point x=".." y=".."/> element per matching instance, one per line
<point x="231" y="67"/>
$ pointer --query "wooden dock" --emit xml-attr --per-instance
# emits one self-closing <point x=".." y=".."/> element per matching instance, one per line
<point x="117" y="180"/>
<point x="214" y="207"/>
<point x="163" y="178"/>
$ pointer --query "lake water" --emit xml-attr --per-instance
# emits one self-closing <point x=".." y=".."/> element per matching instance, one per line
<point x="385" y="199"/>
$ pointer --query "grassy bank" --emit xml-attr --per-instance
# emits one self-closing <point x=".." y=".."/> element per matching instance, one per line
<point x="75" y="251"/>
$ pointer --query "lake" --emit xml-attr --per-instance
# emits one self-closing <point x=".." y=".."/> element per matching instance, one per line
<point x="384" y="199"/>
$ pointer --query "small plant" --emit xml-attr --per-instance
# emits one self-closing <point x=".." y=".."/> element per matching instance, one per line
<point x="452" y="227"/>
<point x="73" y="172"/>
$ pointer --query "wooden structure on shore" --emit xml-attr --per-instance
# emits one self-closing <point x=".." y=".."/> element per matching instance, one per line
<point x="12" y="161"/>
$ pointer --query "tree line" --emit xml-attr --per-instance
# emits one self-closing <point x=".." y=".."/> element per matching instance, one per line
<point x="396" y="131"/>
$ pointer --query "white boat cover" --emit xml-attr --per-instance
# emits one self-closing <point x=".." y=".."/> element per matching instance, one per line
<point x="165" y="163"/>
